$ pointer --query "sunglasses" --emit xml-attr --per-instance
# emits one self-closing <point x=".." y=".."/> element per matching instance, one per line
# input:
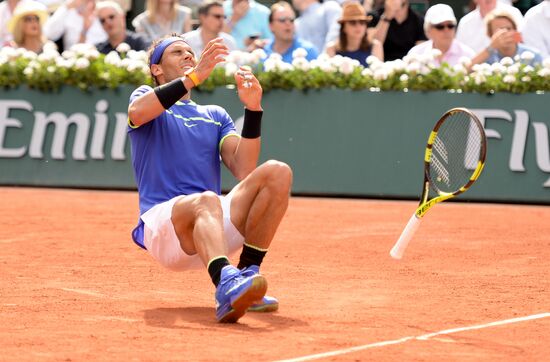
<point x="110" y="17"/>
<point x="30" y="18"/>
<point x="356" y="22"/>
<point x="217" y="16"/>
<point x="443" y="26"/>
<point x="286" y="19"/>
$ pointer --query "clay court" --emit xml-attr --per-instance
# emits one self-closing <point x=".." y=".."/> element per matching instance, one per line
<point x="473" y="285"/>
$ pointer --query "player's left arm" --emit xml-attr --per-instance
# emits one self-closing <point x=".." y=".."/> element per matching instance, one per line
<point x="240" y="154"/>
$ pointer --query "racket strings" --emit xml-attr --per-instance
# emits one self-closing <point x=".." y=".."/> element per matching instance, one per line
<point x="456" y="151"/>
<point x="439" y="166"/>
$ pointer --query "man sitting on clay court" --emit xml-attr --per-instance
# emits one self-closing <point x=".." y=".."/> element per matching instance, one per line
<point x="177" y="149"/>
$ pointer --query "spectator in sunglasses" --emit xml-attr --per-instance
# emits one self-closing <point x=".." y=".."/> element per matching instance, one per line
<point x="112" y="18"/>
<point x="397" y="27"/>
<point x="506" y="41"/>
<point x="75" y="22"/>
<point x="472" y="29"/>
<point x="285" y="41"/>
<point x="440" y="28"/>
<point x="26" y="26"/>
<point x="353" y="41"/>
<point x="211" y="18"/>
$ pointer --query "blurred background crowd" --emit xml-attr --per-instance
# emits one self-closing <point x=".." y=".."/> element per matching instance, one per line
<point x="484" y="31"/>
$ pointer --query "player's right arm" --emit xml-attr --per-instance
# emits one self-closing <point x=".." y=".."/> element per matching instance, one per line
<point x="148" y="106"/>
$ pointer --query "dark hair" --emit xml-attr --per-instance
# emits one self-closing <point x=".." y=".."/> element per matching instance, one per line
<point x="152" y="48"/>
<point x="342" y="43"/>
<point x="205" y="8"/>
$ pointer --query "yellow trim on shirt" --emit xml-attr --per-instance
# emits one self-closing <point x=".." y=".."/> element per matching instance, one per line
<point x="131" y="124"/>
<point x="224" y="137"/>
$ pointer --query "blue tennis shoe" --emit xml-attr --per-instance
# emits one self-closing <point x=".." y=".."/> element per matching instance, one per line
<point x="267" y="303"/>
<point x="236" y="293"/>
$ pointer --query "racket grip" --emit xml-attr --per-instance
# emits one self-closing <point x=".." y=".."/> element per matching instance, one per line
<point x="406" y="236"/>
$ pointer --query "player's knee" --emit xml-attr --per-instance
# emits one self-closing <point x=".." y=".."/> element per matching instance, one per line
<point x="208" y="202"/>
<point x="279" y="176"/>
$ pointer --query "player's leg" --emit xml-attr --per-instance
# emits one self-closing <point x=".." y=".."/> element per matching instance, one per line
<point x="258" y="205"/>
<point x="197" y="220"/>
<point x="198" y="223"/>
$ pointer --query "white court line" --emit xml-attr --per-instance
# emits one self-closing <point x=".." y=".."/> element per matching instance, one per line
<point x="83" y="291"/>
<point x="422" y="338"/>
<point x="108" y="318"/>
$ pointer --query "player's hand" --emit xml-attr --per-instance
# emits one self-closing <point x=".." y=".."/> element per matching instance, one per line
<point x="214" y="53"/>
<point x="249" y="89"/>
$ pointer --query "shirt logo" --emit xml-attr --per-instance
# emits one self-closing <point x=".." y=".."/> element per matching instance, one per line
<point x="189" y="124"/>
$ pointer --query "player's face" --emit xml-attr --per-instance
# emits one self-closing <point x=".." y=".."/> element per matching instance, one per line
<point x="176" y="60"/>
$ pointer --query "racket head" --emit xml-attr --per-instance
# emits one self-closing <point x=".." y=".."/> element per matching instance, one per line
<point x="455" y="153"/>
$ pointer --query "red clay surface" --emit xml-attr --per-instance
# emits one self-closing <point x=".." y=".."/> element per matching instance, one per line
<point x="74" y="287"/>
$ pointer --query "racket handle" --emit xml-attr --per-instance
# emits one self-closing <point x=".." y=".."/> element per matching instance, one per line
<point x="406" y="236"/>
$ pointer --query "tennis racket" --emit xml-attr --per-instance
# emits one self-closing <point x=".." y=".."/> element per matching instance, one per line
<point x="453" y="161"/>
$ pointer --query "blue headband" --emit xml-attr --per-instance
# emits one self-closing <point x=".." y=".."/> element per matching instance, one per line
<point x="161" y="47"/>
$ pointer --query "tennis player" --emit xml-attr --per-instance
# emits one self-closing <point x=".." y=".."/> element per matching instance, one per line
<point x="177" y="149"/>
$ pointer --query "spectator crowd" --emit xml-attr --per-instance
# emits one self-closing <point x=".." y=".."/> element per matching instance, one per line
<point x="385" y="29"/>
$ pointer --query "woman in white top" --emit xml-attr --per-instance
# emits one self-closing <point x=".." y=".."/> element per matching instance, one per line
<point x="163" y="17"/>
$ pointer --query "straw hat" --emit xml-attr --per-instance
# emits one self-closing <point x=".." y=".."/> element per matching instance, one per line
<point x="27" y="8"/>
<point x="352" y="11"/>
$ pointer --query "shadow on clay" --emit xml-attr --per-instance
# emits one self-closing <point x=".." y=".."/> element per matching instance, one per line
<point x="200" y="317"/>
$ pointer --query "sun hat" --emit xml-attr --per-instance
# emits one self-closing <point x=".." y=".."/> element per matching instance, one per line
<point x="352" y="11"/>
<point x="28" y="8"/>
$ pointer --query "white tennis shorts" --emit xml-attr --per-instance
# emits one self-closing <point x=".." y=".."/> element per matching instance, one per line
<point x="162" y="243"/>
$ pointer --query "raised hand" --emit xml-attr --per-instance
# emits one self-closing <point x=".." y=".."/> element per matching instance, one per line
<point x="214" y="53"/>
<point x="249" y="89"/>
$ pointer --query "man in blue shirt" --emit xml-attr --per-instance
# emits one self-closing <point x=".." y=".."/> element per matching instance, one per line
<point x="177" y="149"/>
<point x="247" y="21"/>
<point x="285" y="41"/>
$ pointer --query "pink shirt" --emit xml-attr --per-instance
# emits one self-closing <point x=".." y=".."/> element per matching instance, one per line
<point x="455" y="52"/>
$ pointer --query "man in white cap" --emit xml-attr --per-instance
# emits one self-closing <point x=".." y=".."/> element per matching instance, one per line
<point x="536" y="29"/>
<point x="440" y="28"/>
<point x="472" y="30"/>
